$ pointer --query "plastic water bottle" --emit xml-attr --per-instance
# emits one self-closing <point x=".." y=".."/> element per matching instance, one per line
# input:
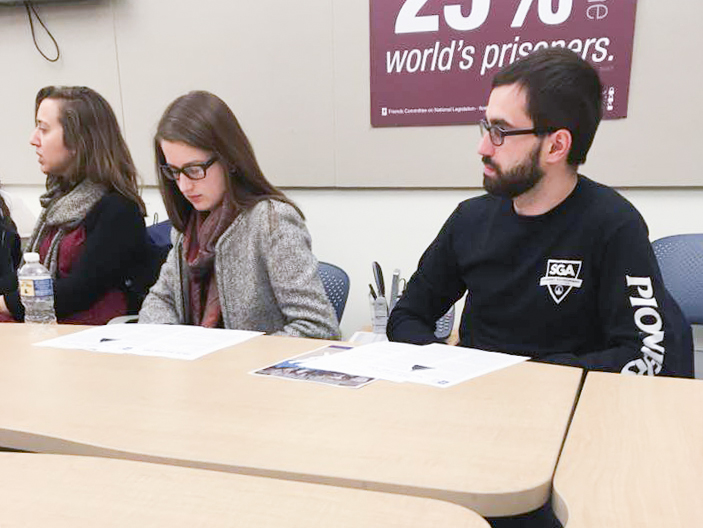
<point x="36" y="291"/>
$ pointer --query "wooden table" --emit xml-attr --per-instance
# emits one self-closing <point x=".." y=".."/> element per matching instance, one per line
<point x="490" y="444"/>
<point x="633" y="457"/>
<point x="74" y="491"/>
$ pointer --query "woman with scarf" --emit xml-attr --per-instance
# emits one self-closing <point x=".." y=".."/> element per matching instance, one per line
<point x="242" y="255"/>
<point x="90" y="234"/>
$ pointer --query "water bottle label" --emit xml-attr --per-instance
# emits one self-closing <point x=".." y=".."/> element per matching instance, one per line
<point x="36" y="287"/>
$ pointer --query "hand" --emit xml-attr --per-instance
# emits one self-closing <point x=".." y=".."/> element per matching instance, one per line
<point x="3" y="306"/>
<point x="453" y="338"/>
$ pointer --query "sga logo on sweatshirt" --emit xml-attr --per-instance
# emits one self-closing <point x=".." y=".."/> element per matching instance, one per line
<point x="561" y="277"/>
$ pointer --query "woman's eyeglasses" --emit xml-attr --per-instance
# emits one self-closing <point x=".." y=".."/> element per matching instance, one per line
<point x="193" y="171"/>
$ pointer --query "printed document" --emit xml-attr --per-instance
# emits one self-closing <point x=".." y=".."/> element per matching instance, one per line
<point x="168" y="341"/>
<point x="437" y="365"/>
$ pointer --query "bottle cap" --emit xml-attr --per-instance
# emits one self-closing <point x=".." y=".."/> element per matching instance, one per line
<point x="31" y="257"/>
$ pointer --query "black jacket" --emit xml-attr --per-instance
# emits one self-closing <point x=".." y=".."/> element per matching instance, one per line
<point x="10" y="256"/>
<point x="578" y="285"/>
<point x="115" y="250"/>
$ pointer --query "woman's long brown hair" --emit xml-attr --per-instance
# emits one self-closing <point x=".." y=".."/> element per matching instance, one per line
<point x="92" y="133"/>
<point x="204" y="121"/>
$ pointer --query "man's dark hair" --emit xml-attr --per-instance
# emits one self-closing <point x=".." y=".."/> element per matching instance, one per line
<point x="563" y="91"/>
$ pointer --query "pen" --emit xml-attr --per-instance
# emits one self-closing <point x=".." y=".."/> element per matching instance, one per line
<point x="378" y="275"/>
<point x="373" y="293"/>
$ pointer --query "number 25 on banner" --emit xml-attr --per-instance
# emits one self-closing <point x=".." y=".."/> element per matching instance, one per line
<point x="408" y="20"/>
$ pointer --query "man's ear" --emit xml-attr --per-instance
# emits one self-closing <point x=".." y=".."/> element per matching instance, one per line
<point x="558" y="146"/>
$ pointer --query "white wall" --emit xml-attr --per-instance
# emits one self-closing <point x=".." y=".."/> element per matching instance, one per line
<point x="297" y="76"/>
<point x="351" y="228"/>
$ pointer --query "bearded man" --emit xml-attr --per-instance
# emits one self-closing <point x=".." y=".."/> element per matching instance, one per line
<point x="556" y="266"/>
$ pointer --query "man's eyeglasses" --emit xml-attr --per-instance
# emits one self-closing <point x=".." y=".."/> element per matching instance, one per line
<point x="193" y="171"/>
<point x="498" y="134"/>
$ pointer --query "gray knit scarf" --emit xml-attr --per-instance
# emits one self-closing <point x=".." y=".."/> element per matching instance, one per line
<point x="63" y="209"/>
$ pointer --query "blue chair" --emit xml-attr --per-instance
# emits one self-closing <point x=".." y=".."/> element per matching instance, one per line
<point x="142" y="277"/>
<point x="160" y="234"/>
<point x="680" y="259"/>
<point x="336" y="283"/>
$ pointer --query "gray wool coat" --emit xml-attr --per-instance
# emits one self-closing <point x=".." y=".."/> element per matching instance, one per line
<point x="266" y="276"/>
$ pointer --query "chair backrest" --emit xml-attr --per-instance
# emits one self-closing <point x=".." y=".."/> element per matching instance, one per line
<point x="160" y="234"/>
<point x="336" y="283"/>
<point x="137" y="285"/>
<point x="680" y="259"/>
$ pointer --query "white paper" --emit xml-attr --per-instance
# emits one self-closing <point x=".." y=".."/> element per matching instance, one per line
<point x="168" y="341"/>
<point x="435" y="364"/>
<point x="447" y="368"/>
<point x="364" y="338"/>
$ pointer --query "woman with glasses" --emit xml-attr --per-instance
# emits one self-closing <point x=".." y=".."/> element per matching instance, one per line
<point x="90" y="234"/>
<point x="241" y="257"/>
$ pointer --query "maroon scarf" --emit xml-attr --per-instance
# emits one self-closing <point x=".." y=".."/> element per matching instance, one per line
<point x="201" y="235"/>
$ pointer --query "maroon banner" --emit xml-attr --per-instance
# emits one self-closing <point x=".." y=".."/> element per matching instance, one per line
<point x="432" y="61"/>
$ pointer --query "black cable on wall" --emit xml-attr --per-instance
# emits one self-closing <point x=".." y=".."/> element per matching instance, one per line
<point x="29" y="6"/>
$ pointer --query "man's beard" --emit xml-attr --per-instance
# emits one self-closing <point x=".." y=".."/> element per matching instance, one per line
<point x="515" y="181"/>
